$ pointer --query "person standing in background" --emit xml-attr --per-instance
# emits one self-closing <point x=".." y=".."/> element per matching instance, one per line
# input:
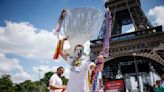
<point x="56" y="84"/>
<point x="162" y="81"/>
<point x="158" y="87"/>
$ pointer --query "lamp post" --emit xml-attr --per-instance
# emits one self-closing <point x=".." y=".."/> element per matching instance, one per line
<point x="137" y="72"/>
<point x="39" y="80"/>
<point x="39" y="75"/>
<point x="152" y="71"/>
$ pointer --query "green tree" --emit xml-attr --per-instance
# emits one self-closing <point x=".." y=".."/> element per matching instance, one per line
<point x="17" y="88"/>
<point x="28" y="85"/>
<point x="46" y="78"/>
<point x="65" y="80"/>
<point x="5" y="83"/>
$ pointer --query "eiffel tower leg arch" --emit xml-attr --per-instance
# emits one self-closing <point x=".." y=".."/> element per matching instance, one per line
<point x="140" y="59"/>
<point x="139" y="66"/>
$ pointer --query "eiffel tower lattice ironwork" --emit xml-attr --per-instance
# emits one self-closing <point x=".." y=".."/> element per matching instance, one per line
<point x="126" y="12"/>
<point x="146" y="42"/>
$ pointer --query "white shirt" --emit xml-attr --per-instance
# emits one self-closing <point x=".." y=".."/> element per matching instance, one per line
<point x="78" y="78"/>
<point x="55" y="80"/>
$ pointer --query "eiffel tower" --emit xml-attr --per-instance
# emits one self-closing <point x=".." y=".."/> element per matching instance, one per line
<point x="138" y="53"/>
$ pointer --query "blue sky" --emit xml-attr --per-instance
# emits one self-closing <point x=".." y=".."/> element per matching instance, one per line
<point x="41" y="13"/>
<point x="44" y="13"/>
<point x="26" y="40"/>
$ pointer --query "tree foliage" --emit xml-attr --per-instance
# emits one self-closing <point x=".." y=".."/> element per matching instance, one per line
<point x="65" y="80"/>
<point x="6" y="84"/>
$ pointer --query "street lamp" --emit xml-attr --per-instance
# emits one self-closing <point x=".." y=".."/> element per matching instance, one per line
<point x="136" y="69"/>
<point x="39" y="75"/>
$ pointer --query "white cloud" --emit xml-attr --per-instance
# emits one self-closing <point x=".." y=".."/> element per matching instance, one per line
<point x="43" y="68"/>
<point x="21" y="76"/>
<point x="128" y="28"/>
<point x="105" y="1"/>
<point x="2" y="56"/>
<point x="25" y="40"/>
<point x="158" y="13"/>
<point x="13" y="68"/>
<point x="7" y="65"/>
<point x="45" y="61"/>
<point x="131" y="30"/>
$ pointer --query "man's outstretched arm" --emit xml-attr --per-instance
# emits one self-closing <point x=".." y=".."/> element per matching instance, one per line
<point x="56" y="87"/>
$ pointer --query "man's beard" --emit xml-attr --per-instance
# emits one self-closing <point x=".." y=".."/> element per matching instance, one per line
<point x="59" y="75"/>
<point x="78" y="55"/>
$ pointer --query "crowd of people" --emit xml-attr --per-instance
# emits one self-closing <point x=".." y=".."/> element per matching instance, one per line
<point x="158" y="87"/>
